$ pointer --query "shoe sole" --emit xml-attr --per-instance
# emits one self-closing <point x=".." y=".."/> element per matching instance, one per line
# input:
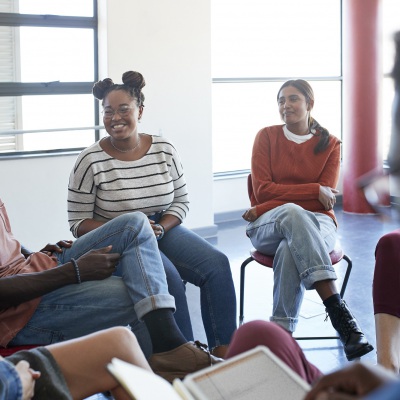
<point x="361" y="352"/>
<point x="171" y="375"/>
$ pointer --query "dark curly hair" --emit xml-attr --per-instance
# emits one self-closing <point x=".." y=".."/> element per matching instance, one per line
<point x="133" y="83"/>
<point x="315" y="128"/>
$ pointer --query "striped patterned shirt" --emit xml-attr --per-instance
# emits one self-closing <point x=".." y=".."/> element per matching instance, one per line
<point x="102" y="187"/>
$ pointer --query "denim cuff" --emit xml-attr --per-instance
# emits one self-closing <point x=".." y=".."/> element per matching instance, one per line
<point x="10" y="383"/>
<point x="316" y="274"/>
<point x="152" y="303"/>
<point x="286" y="322"/>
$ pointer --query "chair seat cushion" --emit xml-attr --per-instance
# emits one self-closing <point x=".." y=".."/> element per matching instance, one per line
<point x="336" y="255"/>
<point x="5" y="352"/>
<point x="261" y="258"/>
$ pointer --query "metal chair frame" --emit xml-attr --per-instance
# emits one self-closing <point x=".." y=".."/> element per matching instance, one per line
<point x="257" y="256"/>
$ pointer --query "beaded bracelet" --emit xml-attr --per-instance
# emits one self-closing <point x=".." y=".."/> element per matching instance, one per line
<point x="78" y="275"/>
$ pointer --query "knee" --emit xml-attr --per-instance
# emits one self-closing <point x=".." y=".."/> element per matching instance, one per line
<point x="222" y="260"/>
<point x="120" y="337"/>
<point x="262" y="330"/>
<point x="133" y="218"/>
<point x="136" y="222"/>
<point x="293" y="213"/>
<point x="389" y="243"/>
<point x="219" y="264"/>
<point x="256" y="333"/>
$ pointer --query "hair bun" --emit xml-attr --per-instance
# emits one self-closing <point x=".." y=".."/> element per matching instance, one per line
<point x="133" y="79"/>
<point x="100" y="88"/>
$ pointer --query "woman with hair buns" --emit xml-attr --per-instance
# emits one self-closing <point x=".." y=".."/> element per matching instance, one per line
<point x="295" y="170"/>
<point x="129" y="172"/>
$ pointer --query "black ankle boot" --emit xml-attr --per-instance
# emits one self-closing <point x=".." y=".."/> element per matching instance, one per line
<point x="354" y="342"/>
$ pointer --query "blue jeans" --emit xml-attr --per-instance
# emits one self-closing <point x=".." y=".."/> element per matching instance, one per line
<point x="10" y="381"/>
<point x="77" y="310"/>
<point x="176" y="288"/>
<point x="201" y="264"/>
<point x="301" y="242"/>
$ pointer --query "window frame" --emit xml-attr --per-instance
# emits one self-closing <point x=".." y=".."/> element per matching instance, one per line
<point x="244" y="172"/>
<point x="339" y="78"/>
<point x="17" y="89"/>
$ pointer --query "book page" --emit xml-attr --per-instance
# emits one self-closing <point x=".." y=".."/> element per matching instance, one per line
<point x="141" y="384"/>
<point x="252" y="375"/>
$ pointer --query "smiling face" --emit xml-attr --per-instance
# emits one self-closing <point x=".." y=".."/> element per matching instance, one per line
<point x="121" y="115"/>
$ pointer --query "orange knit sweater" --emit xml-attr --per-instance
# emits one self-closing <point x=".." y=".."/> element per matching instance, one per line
<point x="287" y="172"/>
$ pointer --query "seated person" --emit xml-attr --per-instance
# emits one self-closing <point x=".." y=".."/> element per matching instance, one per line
<point x="295" y="170"/>
<point x="386" y="284"/>
<point x="131" y="171"/>
<point x="67" y="290"/>
<point x="74" y="369"/>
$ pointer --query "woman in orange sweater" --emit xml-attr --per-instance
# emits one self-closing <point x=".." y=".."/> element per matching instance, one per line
<point x="295" y="170"/>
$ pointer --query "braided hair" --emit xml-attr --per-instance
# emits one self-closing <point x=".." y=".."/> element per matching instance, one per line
<point x="315" y="128"/>
<point x="133" y="83"/>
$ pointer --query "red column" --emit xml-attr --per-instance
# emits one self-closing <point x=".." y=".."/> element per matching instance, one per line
<point x="361" y="79"/>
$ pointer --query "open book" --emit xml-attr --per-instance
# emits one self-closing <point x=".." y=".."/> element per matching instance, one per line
<point x="255" y="374"/>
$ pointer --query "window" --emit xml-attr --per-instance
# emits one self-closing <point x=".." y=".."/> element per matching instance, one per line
<point x="258" y="45"/>
<point x="48" y="64"/>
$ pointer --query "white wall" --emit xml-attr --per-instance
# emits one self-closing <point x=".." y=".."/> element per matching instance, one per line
<point x="230" y="197"/>
<point x="170" y="44"/>
<point x="35" y="193"/>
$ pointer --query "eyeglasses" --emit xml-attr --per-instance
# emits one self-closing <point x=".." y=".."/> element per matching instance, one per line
<point x="122" y="111"/>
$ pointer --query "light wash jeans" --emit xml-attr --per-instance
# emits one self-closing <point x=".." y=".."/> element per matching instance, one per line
<point x="201" y="264"/>
<point x="80" y="309"/>
<point x="301" y="242"/>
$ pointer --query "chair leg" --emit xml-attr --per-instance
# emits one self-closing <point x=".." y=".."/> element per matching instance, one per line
<point x="347" y="275"/>
<point x="241" y="301"/>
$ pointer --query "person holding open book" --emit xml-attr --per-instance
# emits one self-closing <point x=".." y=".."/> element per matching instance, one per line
<point x="295" y="171"/>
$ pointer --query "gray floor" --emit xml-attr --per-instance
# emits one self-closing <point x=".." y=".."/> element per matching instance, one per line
<point x="358" y="235"/>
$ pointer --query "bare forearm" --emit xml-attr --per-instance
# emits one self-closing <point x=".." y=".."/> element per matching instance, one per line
<point x="168" y="221"/>
<point x="88" y="225"/>
<point x="18" y="289"/>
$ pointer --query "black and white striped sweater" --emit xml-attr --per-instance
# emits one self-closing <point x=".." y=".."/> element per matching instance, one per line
<point x="102" y="187"/>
